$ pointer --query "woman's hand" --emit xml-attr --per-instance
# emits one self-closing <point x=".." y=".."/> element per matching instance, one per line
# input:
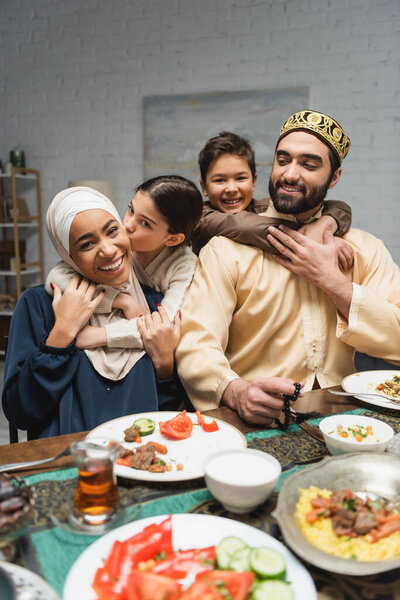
<point x="160" y="337"/>
<point x="72" y="310"/>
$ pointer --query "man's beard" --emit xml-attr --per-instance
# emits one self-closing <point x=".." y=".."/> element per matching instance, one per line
<point x="290" y="206"/>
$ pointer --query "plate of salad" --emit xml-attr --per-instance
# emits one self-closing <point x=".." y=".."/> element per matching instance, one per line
<point x="167" y="445"/>
<point x="188" y="557"/>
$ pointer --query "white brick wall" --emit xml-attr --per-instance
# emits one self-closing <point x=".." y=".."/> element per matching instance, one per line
<point x="73" y="75"/>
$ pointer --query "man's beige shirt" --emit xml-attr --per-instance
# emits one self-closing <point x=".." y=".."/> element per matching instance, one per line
<point x="247" y="316"/>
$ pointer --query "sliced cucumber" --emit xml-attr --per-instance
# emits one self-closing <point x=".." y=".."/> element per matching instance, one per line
<point x="272" y="590"/>
<point x="145" y="426"/>
<point x="240" y="560"/>
<point x="267" y="563"/>
<point x="226" y="549"/>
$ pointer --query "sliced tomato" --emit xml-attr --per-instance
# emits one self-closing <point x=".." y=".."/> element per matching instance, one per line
<point x="208" y="427"/>
<point x="148" y="586"/>
<point x="194" y="561"/>
<point x="163" y="427"/>
<point x="178" y="428"/>
<point x="112" y="579"/>
<point x="104" y="586"/>
<point x="105" y="582"/>
<point x="152" y="540"/>
<point x="113" y="562"/>
<point x="202" y="591"/>
<point x="230" y="583"/>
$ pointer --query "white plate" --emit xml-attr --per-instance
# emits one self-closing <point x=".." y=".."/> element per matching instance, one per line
<point x="366" y="381"/>
<point x="29" y="586"/>
<point x="188" y="531"/>
<point x="191" y="452"/>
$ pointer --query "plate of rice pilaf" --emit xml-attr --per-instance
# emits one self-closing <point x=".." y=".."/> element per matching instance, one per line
<point x="346" y="525"/>
<point x="329" y="542"/>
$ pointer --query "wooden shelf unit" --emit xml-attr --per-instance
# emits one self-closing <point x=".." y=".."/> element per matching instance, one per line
<point x="23" y="174"/>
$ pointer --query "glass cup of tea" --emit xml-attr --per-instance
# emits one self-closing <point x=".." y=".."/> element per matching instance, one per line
<point x="96" y="497"/>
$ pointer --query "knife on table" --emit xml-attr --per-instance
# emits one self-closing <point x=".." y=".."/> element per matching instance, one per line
<point x="311" y="430"/>
<point x="300" y="421"/>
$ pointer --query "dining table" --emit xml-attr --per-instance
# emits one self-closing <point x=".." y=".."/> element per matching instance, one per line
<point x="50" y="552"/>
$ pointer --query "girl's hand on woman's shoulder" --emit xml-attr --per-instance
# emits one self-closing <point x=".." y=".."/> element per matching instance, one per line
<point x="72" y="310"/>
<point x="160" y="337"/>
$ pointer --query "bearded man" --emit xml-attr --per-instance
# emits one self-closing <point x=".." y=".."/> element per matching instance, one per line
<point x="252" y="321"/>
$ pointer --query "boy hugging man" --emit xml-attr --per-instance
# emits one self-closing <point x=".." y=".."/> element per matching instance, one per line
<point x="228" y="178"/>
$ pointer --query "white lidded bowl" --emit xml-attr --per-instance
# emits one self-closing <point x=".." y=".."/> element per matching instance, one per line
<point x="381" y="430"/>
<point x="241" y="479"/>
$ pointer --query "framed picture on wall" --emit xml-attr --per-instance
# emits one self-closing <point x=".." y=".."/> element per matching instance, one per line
<point x="176" y="127"/>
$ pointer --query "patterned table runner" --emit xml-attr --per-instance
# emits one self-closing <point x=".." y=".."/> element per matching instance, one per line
<point x="51" y="551"/>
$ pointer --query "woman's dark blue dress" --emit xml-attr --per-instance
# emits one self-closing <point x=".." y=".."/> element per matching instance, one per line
<point x="51" y="391"/>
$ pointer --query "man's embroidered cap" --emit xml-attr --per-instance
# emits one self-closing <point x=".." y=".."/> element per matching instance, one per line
<point x="322" y="126"/>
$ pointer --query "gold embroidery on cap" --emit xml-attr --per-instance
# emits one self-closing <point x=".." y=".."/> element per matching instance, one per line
<point x="322" y="125"/>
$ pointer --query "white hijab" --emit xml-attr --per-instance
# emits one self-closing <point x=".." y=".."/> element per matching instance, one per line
<point x="112" y="363"/>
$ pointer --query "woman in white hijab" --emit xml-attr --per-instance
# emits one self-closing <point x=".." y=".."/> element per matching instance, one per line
<point x="50" y="386"/>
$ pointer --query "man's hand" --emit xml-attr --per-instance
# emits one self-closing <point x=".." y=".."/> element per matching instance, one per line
<point x="305" y="257"/>
<point x="314" y="262"/>
<point x="129" y="306"/>
<point x="316" y="231"/>
<point x="91" y="337"/>
<point x="260" y="401"/>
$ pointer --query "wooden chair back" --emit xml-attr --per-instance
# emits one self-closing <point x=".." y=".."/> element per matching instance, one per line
<point x="12" y="431"/>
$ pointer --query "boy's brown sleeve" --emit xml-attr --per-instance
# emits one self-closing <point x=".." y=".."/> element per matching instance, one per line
<point x="244" y="227"/>
<point x="341" y="212"/>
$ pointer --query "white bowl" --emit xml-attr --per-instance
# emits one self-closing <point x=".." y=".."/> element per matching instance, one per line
<point x="382" y="430"/>
<point x="241" y="479"/>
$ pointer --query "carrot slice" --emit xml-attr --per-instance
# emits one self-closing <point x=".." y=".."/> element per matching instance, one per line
<point x="159" y="447"/>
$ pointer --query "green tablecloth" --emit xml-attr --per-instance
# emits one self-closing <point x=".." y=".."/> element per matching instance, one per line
<point x="51" y="551"/>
